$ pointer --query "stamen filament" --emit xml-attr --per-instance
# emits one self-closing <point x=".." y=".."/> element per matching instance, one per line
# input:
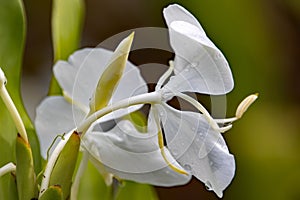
<point x="226" y="120"/>
<point x="205" y="113"/>
<point x="241" y="109"/>
<point x="161" y="145"/>
<point x="9" y="167"/>
<point x="166" y="75"/>
<point x="12" y="108"/>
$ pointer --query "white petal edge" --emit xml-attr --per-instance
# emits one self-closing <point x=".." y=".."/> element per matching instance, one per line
<point x="198" y="67"/>
<point x="55" y="116"/>
<point x="176" y="12"/>
<point x="197" y="147"/>
<point x="131" y="155"/>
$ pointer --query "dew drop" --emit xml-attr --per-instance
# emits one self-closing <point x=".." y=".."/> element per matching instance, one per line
<point x="187" y="167"/>
<point x="208" y="185"/>
<point x="165" y="95"/>
<point x="218" y="56"/>
<point x="174" y="152"/>
<point x="194" y="64"/>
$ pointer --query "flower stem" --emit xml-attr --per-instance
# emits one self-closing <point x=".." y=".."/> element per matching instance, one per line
<point x="164" y="77"/>
<point x="152" y="97"/>
<point x="205" y="113"/>
<point x="79" y="174"/>
<point x="11" y="107"/>
<point x="162" y="145"/>
<point x="9" y="167"/>
<point x="51" y="162"/>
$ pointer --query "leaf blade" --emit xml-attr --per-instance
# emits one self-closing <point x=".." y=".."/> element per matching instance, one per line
<point x="67" y="21"/>
<point x="65" y="165"/>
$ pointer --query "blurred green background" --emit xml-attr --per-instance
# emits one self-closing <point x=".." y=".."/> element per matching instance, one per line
<point x="260" y="39"/>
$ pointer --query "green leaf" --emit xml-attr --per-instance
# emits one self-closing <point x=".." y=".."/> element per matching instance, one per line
<point x="53" y="193"/>
<point x="12" y="37"/>
<point x="135" y="191"/>
<point x="25" y="170"/>
<point x="92" y="185"/>
<point x="64" y="167"/>
<point x="67" y="20"/>
<point x="8" y="187"/>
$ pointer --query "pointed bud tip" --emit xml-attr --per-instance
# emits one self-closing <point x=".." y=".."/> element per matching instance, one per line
<point x="125" y="44"/>
<point x="131" y="36"/>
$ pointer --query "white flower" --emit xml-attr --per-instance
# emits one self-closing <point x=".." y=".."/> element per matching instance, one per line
<point x="56" y="115"/>
<point x="131" y="155"/>
<point x="194" y="139"/>
<point x="78" y="78"/>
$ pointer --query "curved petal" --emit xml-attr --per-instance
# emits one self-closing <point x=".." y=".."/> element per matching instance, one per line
<point x="79" y="76"/>
<point x="55" y="116"/>
<point x="131" y="155"/>
<point x="201" y="66"/>
<point x="197" y="147"/>
<point x="176" y="12"/>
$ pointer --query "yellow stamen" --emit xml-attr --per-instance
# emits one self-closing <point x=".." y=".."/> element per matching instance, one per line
<point x="245" y="104"/>
<point x="163" y="153"/>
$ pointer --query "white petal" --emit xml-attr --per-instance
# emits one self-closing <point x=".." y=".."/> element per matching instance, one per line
<point x="55" y="116"/>
<point x="79" y="76"/>
<point x="199" y="66"/>
<point x="176" y="12"/>
<point x="131" y="155"/>
<point x="202" y="65"/>
<point x="197" y="147"/>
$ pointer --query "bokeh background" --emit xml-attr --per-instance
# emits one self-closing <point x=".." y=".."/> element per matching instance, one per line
<point x="260" y="39"/>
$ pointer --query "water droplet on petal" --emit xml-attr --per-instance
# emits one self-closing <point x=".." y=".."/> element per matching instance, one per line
<point x="165" y="96"/>
<point x="194" y="64"/>
<point x="208" y="186"/>
<point x="218" y="56"/>
<point x="187" y="167"/>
